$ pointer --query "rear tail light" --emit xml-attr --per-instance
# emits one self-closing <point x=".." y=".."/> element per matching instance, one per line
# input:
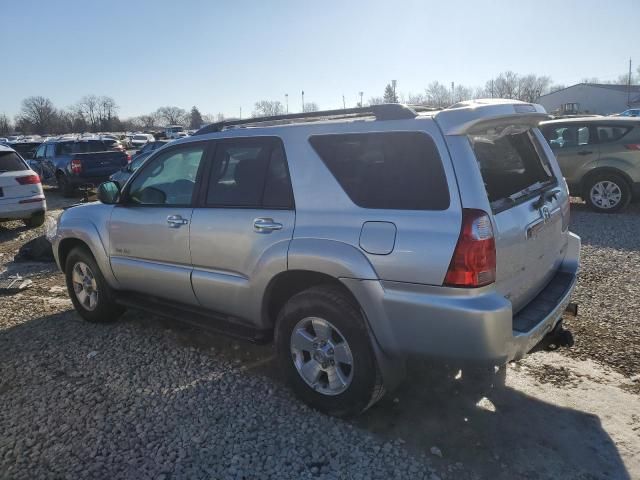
<point x="474" y="259"/>
<point x="28" y="180"/>
<point x="76" y="165"/>
<point x="633" y="146"/>
<point x="128" y="158"/>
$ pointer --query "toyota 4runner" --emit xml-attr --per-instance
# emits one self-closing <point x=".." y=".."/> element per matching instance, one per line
<point x="354" y="239"/>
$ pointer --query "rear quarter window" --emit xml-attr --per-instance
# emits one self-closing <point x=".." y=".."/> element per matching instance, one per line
<point x="386" y="170"/>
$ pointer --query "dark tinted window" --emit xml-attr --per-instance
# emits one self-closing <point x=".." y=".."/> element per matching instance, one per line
<point x="50" y="151"/>
<point x="237" y="178"/>
<point x="277" y="189"/>
<point x="250" y="173"/>
<point x="611" y="133"/>
<point x="11" y="162"/>
<point x="394" y="170"/>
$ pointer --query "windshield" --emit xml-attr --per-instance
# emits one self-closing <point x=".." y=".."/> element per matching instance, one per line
<point x="175" y="129"/>
<point x="140" y="137"/>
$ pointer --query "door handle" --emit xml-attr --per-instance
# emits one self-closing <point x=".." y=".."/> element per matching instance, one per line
<point x="266" y="225"/>
<point x="175" y="221"/>
<point x="585" y="152"/>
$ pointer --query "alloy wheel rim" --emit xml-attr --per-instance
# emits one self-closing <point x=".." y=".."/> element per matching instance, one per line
<point x="606" y="194"/>
<point x="85" y="286"/>
<point x="322" y="356"/>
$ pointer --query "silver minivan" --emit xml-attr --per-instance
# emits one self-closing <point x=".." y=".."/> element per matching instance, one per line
<point x="355" y="239"/>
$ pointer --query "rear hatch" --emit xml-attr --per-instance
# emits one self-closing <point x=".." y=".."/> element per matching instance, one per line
<point x="529" y="204"/>
<point x="12" y="168"/>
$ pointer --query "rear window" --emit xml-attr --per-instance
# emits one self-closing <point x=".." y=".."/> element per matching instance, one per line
<point x="140" y="137"/>
<point x="387" y="170"/>
<point x="11" y="162"/>
<point x="512" y="163"/>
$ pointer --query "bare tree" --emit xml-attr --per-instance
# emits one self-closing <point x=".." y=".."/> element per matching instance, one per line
<point x="438" y="95"/>
<point x="531" y="86"/>
<point x="172" y="115"/>
<point x="38" y="112"/>
<point x="268" y="108"/>
<point x="375" y="101"/>
<point x="89" y="106"/>
<point x="5" y="125"/>
<point x="107" y="109"/>
<point x="310" y="107"/>
<point x="414" y="99"/>
<point x="462" y="93"/>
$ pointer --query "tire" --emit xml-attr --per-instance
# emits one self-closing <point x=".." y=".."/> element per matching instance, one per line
<point x="36" y="220"/>
<point x="601" y="189"/>
<point x="104" y="310"/>
<point x="360" y="384"/>
<point x="64" y="186"/>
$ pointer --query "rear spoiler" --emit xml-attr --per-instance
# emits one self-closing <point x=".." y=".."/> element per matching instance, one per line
<point x="468" y="117"/>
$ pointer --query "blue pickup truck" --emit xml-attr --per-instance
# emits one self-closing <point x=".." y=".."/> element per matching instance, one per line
<point x="78" y="162"/>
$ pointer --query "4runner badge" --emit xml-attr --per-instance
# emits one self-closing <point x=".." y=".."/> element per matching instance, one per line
<point x="545" y="213"/>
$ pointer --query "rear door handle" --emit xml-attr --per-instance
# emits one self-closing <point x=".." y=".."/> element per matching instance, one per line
<point x="585" y="152"/>
<point x="266" y="225"/>
<point x="175" y="221"/>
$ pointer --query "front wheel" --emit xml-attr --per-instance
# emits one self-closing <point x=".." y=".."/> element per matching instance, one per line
<point x="91" y="295"/>
<point x="607" y="193"/>
<point x="324" y="348"/>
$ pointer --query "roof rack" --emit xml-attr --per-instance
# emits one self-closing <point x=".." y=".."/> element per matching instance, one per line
<point x="384" y="111"/>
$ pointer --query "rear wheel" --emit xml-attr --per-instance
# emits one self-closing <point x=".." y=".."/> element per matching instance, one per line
<point x="91" y="295"/>
<point x="324" y="349"/>
<point x="35" y="220"/>
<point x="64" y="185"/>
<point x="607" y="193"/>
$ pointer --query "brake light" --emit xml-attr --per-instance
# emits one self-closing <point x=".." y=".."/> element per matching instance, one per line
<point x="474" y="259"/>
<point x="76" y="165"/>
<point x="633" y="146"/>
<point x="128" y="158"/>
<point x="28" y="180"/>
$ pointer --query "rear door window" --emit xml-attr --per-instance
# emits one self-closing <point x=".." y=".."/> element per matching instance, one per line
<point x="11" y="162"/>
<point x="386" y="170"/>
<point x="250" y="173"/>
<point x="607" y="134"/>
<point x="512" y="163"/>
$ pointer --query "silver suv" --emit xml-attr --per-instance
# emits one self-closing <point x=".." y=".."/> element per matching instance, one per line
<point x="353" y="238"/>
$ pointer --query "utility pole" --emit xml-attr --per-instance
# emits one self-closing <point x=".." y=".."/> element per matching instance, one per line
<point x="491" y="88"/>
<point x="361" y="93"/>
<point x="393" y="84"/>
<point x="286" y="101"/>
<point x="240" y="113"/>
<point x="453" y="89"/>
<point x="344" y="105"/>
<point x="629" y="86"/>
<point x="302" y="101"/>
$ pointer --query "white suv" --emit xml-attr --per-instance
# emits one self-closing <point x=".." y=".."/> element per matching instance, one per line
<point x="21" y="195"/>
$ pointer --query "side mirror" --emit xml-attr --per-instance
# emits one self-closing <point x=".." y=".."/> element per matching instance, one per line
<point x="108" y="192"/>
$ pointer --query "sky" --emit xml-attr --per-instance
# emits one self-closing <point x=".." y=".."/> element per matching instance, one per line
<point x="225" y="56"/>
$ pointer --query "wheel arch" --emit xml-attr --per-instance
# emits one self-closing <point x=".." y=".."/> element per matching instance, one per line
<point x="604" y="170"/>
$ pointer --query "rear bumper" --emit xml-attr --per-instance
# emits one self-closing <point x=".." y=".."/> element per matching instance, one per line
<point x="11" y="209"/>
<point x="80" y="181"/>
<point x="463" y="325"/>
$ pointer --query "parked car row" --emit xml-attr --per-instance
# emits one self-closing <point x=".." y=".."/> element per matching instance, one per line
<point x="417" y="234"/>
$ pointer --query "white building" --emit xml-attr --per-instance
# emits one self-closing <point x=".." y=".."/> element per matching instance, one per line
<point x="591" y="98"/>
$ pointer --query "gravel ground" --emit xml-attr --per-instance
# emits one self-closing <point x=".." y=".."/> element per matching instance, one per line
<point x="148" y="398"/>
<point x="607" y="328"/>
